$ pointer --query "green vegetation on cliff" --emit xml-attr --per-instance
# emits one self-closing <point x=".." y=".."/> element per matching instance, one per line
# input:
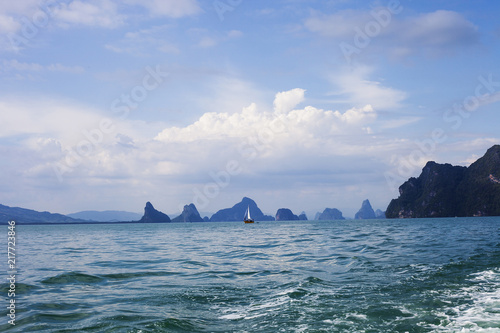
<point x="443" y="190"/>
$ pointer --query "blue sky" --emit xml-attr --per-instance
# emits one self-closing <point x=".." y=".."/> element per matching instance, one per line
<point x="294" y="103"/>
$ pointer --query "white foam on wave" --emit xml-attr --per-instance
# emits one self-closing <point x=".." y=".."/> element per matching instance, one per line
<point x="482" y="314"/>
<point x="232" y="316"/>
<point x="359" y="316"/>
<point x="260" y="309"/>
<point x="353" y="319"/>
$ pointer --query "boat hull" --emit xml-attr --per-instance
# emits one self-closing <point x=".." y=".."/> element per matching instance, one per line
<point x="248" y="221"/>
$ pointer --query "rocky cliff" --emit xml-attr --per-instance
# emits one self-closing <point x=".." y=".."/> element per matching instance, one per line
<point x="189" y="214"/>
<point x="443" y="190"/>
<point x="365" y="212"/>
<point x="331" y="214"/>
<point x="151" y="215"/>
<point x="285" y="214"/>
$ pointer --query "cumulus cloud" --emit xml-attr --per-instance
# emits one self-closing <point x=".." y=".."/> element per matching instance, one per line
<point x="284" y="124"/>
<point x="285" y="101"/>
<point x="53" y="128"/>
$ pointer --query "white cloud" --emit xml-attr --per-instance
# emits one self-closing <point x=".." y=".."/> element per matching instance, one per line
<point x="169" y="8"/>
<point x="16" y="15"/>
<point x="25" y="7"/>
<point x="234" y="34"/>
<point x="284" y="125"/>
<point x="15" y="65"/>
<point x="51" y="129"/>
<point x="8" y="25"/>
<point x="432" y="34"/>
<point x="285" y="101"/>
<point x="440" y="28"/>
<point x="207" y="42"/>
<point x="144" y="41"/>
<point x="47" y="118"/>
<point x="338" y="25"/>
<point x="103" y="13"/>
<point x="354" y="85"/>
<point x="225" y="93"/>
<point x="205" y="38"/>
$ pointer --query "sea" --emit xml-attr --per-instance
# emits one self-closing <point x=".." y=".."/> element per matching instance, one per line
<point x="414" y="275"/>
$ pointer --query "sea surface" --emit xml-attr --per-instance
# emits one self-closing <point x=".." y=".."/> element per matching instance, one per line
<point x="419" y="275"/>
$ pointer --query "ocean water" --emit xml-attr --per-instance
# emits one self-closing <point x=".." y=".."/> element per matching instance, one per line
<point x="422" y="275"/>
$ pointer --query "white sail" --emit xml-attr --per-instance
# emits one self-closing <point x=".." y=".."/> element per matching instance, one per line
<point x="248" y="213"/>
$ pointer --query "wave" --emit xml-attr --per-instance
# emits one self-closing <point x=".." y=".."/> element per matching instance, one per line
<point x="73" y="278"/>
<point x="21" y="288"/>
<point x="134" y="275"/>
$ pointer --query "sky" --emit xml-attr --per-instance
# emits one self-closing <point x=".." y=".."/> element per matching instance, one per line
<point x="300" y="104"/>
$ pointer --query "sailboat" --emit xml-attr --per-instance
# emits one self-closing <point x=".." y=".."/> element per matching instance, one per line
<point x="247" y="218"/>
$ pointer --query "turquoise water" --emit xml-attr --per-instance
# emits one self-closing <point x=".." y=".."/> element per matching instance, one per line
<point x="422" y="275"/>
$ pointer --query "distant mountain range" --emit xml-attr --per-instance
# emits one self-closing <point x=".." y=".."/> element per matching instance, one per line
<point x="105" y="216"/>
<point x="444" y="190"/>
<point x="24" y="215"/>
<point x="151" y="215"/>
